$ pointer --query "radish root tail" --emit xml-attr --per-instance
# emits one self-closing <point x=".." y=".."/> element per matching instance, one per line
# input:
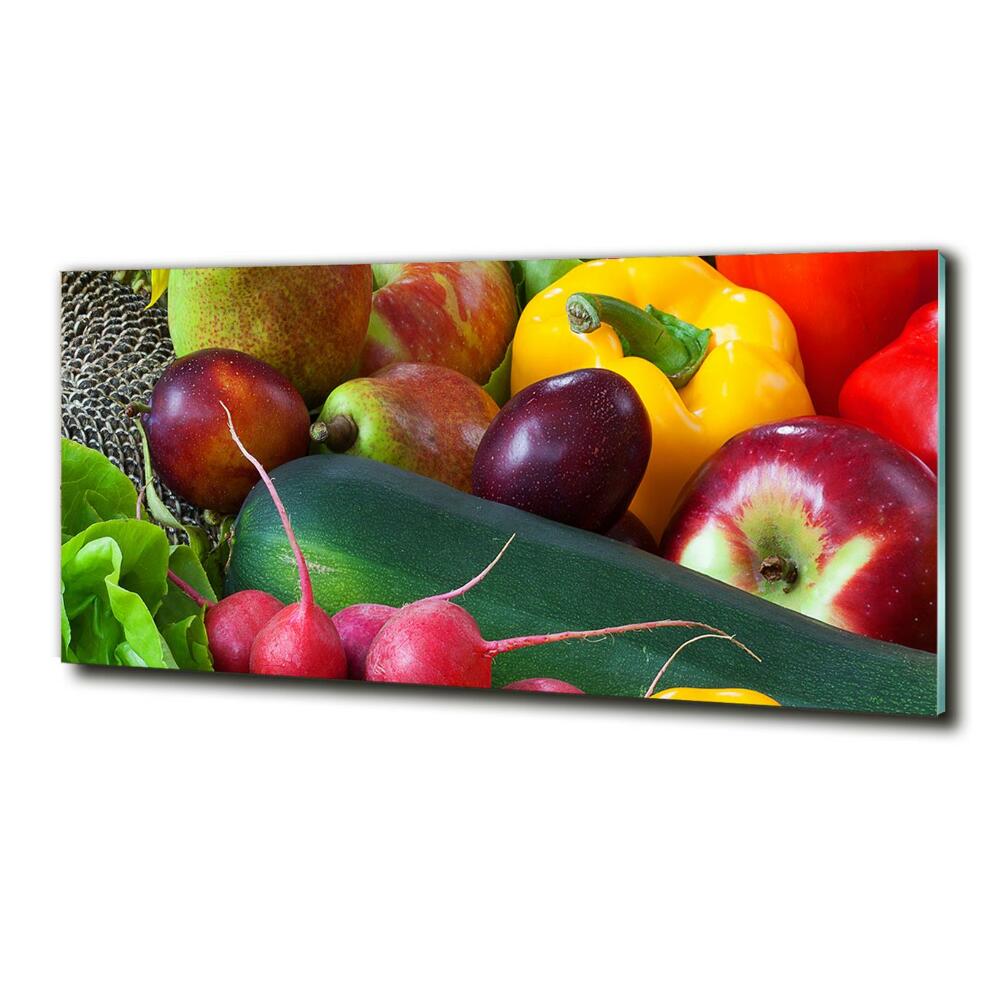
<point x="478" y="578"/>
<point x="182" y="585"/>
<point x="189" y="591"/>
<point x="526" y="641"/>
<point x="687" y="642"/>
<point x="305" y="584"/>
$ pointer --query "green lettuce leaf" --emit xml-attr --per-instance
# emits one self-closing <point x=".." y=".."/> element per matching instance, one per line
<point x="117" y="607"/>
<point x="533" y="276"/>
<point x="92" y="489"/>
<point x="113" y="582"/>
<point x="499" y="384"/>
<point x="180" y="620"/>
<point x="216" y="560"/>
<point x="185" y="563"/>
<point x="187" y="642"/>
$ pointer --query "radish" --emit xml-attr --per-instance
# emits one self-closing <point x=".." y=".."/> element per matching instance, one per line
<point x="231" y="624"/>
<point x="437" y="642"/>
<point x="551" y="685"/>
<point x="301" y="639"/>
<point x="358" y="624"/>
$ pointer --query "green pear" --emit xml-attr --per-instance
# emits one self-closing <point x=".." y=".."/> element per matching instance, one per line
<point x="309" y="323"/>
<point x="417" y="416"/>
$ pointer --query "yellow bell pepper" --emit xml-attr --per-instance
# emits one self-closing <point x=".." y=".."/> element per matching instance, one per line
<point x="725" y="696"/>
<point x="724" y="358"/>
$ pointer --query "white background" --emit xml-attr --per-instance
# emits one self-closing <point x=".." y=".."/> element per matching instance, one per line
<point x="166" y="837"/>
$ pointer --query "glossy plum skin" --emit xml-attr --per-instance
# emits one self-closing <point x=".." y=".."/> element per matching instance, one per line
<point x="189" y="438"/>
<point x="357" y="626"/>
<point x="629" y="530"/>
<point x="233" y="624"/>
<point x="854" y="513"/>
<point x="572" y="448"/>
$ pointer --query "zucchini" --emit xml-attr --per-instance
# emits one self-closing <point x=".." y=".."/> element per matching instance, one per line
<point x="372" y="532"/>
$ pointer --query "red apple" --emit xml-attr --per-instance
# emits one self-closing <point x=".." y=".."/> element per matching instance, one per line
<point x="823" y="517"/>
<point x="460" y="315"/>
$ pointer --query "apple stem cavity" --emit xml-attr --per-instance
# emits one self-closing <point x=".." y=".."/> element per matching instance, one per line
<point x="776" y="568"/>
<point x="338" y="434"/>
<point x="305" y="584"/>
<point x="687" y="642"/>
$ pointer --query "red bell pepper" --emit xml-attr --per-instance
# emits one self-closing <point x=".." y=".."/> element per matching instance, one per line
<point x="845" y="306"/>
<point x="895" y="392"/>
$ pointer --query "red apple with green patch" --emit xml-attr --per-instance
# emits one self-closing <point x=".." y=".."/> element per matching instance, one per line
<point x="457" y="314"/>
<point x="821" y="516"/>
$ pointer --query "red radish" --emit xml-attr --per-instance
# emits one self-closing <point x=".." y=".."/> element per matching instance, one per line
<point x="232" y="626"/>
<point x="437" y="642"/>
<point x="301" y="639"/>
<point x="548" y="684"/>
<point x="358" y="624"/>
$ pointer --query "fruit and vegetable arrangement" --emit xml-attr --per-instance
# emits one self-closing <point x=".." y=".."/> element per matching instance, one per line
<point x="678" y="478"/>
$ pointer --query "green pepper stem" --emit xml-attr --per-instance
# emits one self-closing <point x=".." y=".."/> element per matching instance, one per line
<point x="675" y="347"/>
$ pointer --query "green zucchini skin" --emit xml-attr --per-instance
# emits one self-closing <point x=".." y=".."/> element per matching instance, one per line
<point x="374" y="533"/>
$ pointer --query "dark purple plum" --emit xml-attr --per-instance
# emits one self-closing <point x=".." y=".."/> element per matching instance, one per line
<point x="631" y="531"/>
<point x="572" y="448"/>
